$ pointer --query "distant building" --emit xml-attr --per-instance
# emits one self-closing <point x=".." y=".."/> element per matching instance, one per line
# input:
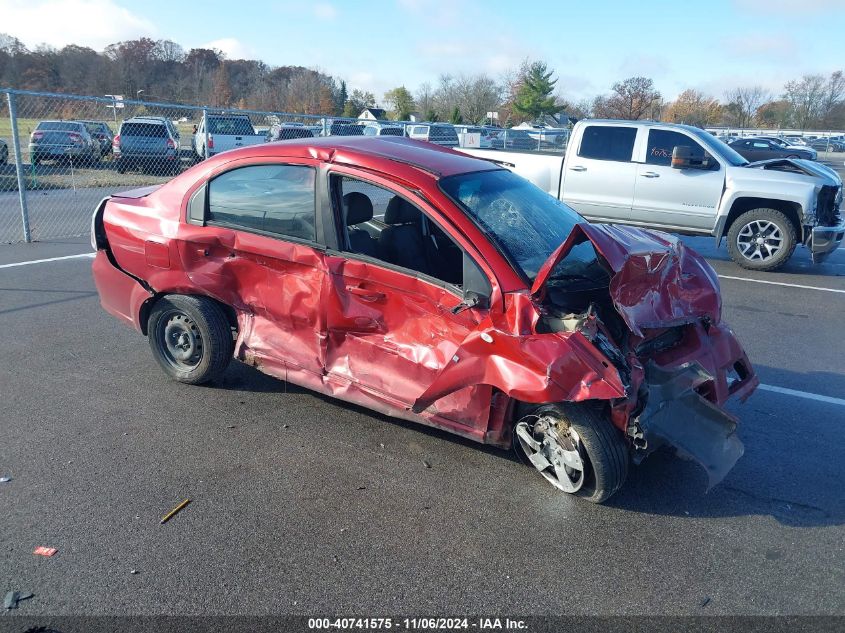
<point x="373" y="114"/>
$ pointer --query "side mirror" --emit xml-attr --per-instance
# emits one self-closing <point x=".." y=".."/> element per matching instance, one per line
<point x="683" y="157"/>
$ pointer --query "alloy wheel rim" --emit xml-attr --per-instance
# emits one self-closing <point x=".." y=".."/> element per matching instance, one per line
<point x="759" y="240"/>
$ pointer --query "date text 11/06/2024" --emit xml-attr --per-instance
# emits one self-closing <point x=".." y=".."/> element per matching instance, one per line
<point x="412" y="624"/>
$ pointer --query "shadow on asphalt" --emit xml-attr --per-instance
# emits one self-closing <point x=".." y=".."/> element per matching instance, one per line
<point x="774" y="477"/>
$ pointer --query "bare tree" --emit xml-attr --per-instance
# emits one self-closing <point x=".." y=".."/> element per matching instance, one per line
<point x="634" y="98"/>
<point x="807" y="98"/>
<point x="475" y="96"/>
<point x="833" y="96"/>
<point x="425" y="98"/>
<point x="744" y="102"/>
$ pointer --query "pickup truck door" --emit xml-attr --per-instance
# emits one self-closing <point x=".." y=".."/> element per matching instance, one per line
<point x="599" y="175"/>
<point x="665" y="197"/>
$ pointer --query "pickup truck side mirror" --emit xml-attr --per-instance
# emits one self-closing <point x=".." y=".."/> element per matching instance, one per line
<point x="683" y="157"/>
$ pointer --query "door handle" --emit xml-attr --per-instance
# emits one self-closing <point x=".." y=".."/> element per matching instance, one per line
<point x="365" y="294"/>
<point x="578" y="168"/>
<point x="650" y="174"/>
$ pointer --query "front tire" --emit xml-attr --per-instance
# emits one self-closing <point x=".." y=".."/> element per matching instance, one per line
<point x="575" y="448"/>
<point x="761" y="239"/>
<point x="191" y="338"/>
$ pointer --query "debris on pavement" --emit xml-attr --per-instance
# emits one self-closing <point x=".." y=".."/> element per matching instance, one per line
<point x="45" y="551"/>
<point x="427" y="463"/>
<point x="706" y="601"/>
<point x="133" y="572"/>
<point x="5" y="480"/>
<point x="174" y="511"/>
<point x="14" y="597"/>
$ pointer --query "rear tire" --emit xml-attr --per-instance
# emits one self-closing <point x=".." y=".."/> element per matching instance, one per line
<point x="770" y="225"/>
<point x="604" y="451"/>
<point x="191" y="338"/>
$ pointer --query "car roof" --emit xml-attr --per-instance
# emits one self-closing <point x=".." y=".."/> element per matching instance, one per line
<point x="369" y="151"/>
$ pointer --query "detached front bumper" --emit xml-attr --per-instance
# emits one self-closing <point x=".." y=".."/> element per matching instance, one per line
<point x="824" y="240"/>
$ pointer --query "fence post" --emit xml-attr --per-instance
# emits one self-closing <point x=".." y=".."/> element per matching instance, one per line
<point x="205" y="132"/>
<point x="16" y="143"/>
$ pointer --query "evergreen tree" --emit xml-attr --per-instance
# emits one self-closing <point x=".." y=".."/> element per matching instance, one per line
<point x="534" y="96"/>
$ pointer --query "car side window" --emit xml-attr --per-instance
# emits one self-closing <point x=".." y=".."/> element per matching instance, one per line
<point x="661" y="143"/>
<point x="608" y="142"/>
<point x="762" y="145"/>
<point x="277" y="199"/>
<point x="378" y="223"/>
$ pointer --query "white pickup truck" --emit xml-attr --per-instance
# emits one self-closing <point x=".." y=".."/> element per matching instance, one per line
<point x="681" y="179"/>
<point x="225" y="131"/>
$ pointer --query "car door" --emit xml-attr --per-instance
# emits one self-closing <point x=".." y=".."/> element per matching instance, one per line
<point x="252" y="242"/>
<point x="675" y="198"/>
<point x="599" y="179"/>
<point x="392" y="328"/>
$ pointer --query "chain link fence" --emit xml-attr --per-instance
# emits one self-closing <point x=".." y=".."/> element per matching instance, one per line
<point x="61" y="154"/>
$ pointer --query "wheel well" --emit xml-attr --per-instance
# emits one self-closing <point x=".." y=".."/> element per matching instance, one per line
<point x="147" y="306"/>
<point x="791" y="210"/>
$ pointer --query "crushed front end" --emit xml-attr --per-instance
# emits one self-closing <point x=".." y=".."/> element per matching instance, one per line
<point x="657" y="319"/>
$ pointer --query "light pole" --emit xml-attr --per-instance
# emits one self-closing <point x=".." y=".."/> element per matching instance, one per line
<point x="138" y="94"/>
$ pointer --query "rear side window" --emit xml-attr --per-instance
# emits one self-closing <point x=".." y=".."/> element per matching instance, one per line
<point x="276" y="199"/>
<point x="151" y="130"/>
<point x="443" y="133"/>
<point x="662" y="142"/>
<point x="603" y="142"/>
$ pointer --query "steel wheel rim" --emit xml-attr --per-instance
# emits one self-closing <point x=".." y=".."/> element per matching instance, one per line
<point x="180" y="340"/>
<point x="554" y="449"/>
<point x="759" y="240"/>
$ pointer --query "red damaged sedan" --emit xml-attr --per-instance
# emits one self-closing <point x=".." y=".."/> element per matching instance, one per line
<point x="435" y="287"/>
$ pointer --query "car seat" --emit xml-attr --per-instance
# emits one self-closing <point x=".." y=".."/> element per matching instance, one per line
<point x="401" y="243"/>
<point x="359" y="209"/>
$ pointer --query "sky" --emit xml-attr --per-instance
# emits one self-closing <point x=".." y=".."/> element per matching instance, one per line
<point x="710" y="46"/>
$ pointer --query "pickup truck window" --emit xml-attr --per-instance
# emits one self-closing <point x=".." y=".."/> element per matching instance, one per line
<point x="276" y="199"/>
<point x="608" y="142"/>
<point x="523" y="221"/>
<point x="238" y="126"/>
<point x="662" y="142"/>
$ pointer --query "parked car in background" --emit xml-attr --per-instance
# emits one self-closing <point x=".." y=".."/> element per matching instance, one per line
<point x="225" y="132"/>
<point x="102" y="133"/>
<point x="287" y="131"/>
<point x="4" y="152"/>
<point x="438" y="133"/>
<point x="148" y="143"/>
<point x="383" y="129"/>
<point x="754" y="149"/>
<point x="795" y="141"/>
<point x="786" y="145"/>
<point x="515" y="139"/>
<point x="343" y="128"/>
<point x="828" y="145"/>
<point x="63" y="141"/>
<point x="679" y="178"/>
<point x="480" y="305"/>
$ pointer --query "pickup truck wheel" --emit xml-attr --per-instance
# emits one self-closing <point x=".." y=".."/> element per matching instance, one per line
<point x="190" y="338"/>
<point x="575" y="448"/>
<point x="761" y="239"/>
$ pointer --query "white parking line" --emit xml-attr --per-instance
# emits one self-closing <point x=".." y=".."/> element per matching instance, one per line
<point x="803" y="394"/>
<point x="44" y="261"/>
<point x="780" y="283"/>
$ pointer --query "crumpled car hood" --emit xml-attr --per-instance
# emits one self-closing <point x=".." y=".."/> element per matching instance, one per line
<point x="657" y="281"/>
<point x="808" y="167"/>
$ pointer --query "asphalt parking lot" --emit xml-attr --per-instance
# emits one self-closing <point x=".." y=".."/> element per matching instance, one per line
<point x="305" y="505"/>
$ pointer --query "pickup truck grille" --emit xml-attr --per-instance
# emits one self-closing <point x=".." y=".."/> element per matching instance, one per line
<point x="829" y="202"/>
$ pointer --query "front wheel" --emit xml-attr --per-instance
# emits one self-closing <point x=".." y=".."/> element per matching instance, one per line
<point x="190" y="338"/>
<point x="574" y="448"/>
<point x="761" y="239"/>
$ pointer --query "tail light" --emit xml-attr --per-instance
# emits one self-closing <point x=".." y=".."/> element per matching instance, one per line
<point x="75" y="138"/>
<point x="171" y="144"/>
<point x="116" y="141"/>
<point x="210" y="142"/>
<point x="37" y="136"/>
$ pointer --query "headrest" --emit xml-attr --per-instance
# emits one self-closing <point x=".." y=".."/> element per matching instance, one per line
<point x="359" y="208"/>
<point x="400" y="211"/>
